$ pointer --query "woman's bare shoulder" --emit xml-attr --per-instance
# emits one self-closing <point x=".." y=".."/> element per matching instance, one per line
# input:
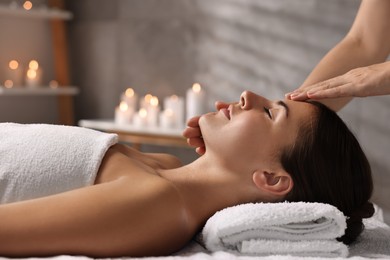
<point x="158" y="216"/>
<point x="165" y="161"/>
<point x="154" y="160"/>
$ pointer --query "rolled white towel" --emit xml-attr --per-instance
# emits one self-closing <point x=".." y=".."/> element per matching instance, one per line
<point x="245" y="227"/>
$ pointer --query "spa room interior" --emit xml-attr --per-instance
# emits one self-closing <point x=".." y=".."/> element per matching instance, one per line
<point x="125" y="66"/>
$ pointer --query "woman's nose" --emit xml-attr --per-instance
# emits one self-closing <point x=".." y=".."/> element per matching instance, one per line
<point x="248" y="100"/>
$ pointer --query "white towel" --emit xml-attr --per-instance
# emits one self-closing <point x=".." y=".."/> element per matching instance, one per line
<point x="298" y="228"/>
<point x="374" y="242"/>
<point x="38" y="160"/>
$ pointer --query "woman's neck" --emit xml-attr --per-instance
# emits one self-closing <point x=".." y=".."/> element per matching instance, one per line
<point x="206" y="188"/>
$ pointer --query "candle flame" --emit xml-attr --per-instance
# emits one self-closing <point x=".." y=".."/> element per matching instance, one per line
<point x="13" y="64"/>
<point x="129" y="92"/>
<point x="154" y="101"/>
<point x="31" y="74"/>
<point x="196" y="87"/>
<point x="33" y="65"/>
<point x="148" y="97"/>
<point x="143" y="113"/>
<point x="8" y="83"/>
<point x="27" y="5"/>
<point x="123" y="106"/>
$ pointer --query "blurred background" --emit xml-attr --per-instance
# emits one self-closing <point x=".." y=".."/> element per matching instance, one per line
<point x="164" y="46"/>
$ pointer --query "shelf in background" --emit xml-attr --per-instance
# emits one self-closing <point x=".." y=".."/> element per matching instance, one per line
<point x="41" y="91"/>
<point x="110" y="125"/>
<point x="43" y="13"/>
<point x="139" y="135"/>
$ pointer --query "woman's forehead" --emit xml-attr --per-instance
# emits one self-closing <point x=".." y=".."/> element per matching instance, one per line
<point x="299" y="106"/>
<point x="300" y="112"/>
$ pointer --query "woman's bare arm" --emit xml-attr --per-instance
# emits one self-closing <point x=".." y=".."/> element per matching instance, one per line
<point x="368" y="42"/>
<point x="129" y="216"/>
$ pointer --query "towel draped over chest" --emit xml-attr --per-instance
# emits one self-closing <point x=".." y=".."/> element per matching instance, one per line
<point x="38" y="160"/>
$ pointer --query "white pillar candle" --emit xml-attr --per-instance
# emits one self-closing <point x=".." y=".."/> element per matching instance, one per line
<point x="130" y="97"/>
<point x="34" y="75"/>
<point x="14" y="73"/>
<point x="145" y="101"/>
<point x="168" y="119"/>
<point x="123" y="114"/>
<point x="141" y="118"/>
<point x="153" y="112"/>
<point x="176" y="105"/>
<point x="196" y="101"/>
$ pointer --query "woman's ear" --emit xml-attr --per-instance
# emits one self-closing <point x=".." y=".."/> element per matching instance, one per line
<point x="278" y="183"/>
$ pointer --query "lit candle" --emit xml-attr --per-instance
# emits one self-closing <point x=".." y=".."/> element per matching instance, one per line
<point x="123" y="114"/>
<point x="34" y="74"/>
<point x="153" y="112"/>
<point x="168" y="119"/>
<point x="141" y="118"/>
<point x="130" y="97"/>
<point x="27" y="5"/>
<point x="14" y="73"/>
<point x="176" y="105"/>
<point x="8" y="83"/>
<point x="33" y="64"/>
<point x="145" y="102"/>
<point x="196" y="101"/>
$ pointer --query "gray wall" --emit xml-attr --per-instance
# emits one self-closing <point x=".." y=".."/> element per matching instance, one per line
<point x="268" y="46"/>
<point x="147" y="45"/>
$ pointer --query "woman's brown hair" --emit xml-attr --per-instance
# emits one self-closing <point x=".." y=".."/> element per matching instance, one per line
<point x="328" y="165"/>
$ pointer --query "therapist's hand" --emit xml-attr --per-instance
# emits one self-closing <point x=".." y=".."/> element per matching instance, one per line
<point x="193" y="132"/>
<point x="373" y="80"/>
<point x="194" y="135"/>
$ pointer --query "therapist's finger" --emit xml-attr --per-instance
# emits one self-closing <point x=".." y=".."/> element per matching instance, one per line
<point x="332" y="88"/>
<point x="298" y="95"/>
<point x="193" y="122"/>
<point x="195" y="142"/>
<point x="201" y="150"/>
<point x="345" y="90"/>
<point x="303" y="94"/>
<point x="191" y="132"/>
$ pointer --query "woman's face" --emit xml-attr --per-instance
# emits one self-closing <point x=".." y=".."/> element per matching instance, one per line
<point x="254" y="130"/>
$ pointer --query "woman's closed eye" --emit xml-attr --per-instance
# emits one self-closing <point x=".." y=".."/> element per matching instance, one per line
<point x="267" y="110"/>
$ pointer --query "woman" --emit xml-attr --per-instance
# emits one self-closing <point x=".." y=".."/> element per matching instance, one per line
<point x="146" y="204"/>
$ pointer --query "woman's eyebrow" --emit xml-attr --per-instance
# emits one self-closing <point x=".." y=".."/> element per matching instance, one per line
<point x="283" y="104"/>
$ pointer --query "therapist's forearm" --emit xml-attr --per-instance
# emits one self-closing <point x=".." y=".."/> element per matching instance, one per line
<point x="346" y="55"/>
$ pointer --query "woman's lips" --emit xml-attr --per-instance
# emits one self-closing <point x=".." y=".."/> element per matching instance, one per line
<point x="226" y="112"/>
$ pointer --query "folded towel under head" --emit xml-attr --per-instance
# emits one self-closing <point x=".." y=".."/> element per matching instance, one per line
<point x="298" y="228"/>
<point x="38" y="160"/>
